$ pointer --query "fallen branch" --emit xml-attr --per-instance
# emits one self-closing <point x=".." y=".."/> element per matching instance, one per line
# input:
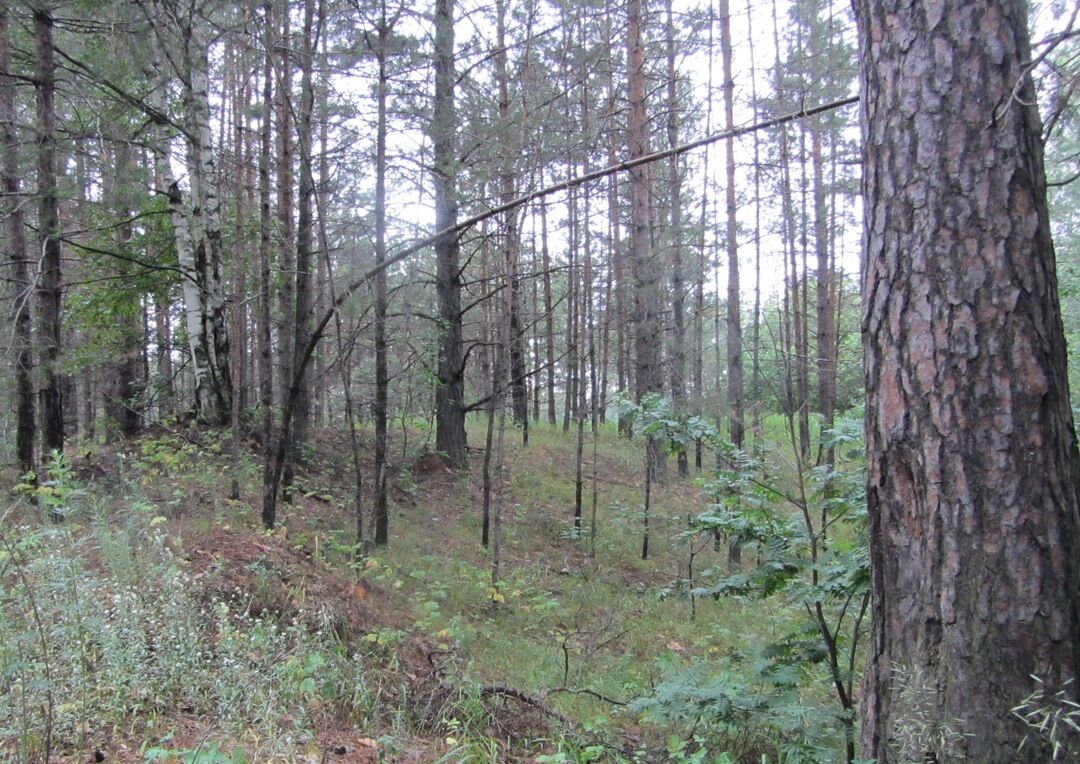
<point x="593" y="693"/>
<point x="523" y="697"/>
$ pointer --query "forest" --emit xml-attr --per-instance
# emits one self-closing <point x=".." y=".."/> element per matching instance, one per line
<point x="539" y="381"/>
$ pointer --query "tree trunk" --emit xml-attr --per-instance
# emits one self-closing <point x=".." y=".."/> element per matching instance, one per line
<point x="618" y="255"/>
<point x="305" y="263"/>
<point x="49" y="283"/>
<point x="549" y="315"/>
<point x="450" y="394"/>
<point x="737" y="427"/>
<point x="826" y="300"/>
<point x="678" y="291"/>
<point x="121" y="375"/>
<point x="647" y="316"/>
<point x="266" y="363"/>
<point x="284" y="119"/>
<point x="382" y="381"/>
<point x="973" y="466"/>
<point x="286" y="292"/>
<point x="213" y="393"/>
<point x="755" y="332"/>
<point x="510" y="157"/>
<point x="21" y="319"/>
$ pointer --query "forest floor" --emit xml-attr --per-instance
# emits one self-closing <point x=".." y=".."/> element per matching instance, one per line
<point x="408" y="654"/>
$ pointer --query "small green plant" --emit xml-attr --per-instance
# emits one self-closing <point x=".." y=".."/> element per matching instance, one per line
<point x="85" y="648"/>
<point x="58" y="495"/>
<point x="210" y="753"/>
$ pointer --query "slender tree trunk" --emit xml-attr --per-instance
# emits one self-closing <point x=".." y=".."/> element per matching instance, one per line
<point x="49" y="280"/>
<point x="618" y="255"/>
<point x="213" y="392"/>
<point x="166" y="389"/>
<point x="284" y="169"/>
<point x="737" y="427"/>
<point x="802" y="307"/>
<point x="122" y="373"/>
<point x="21" y="318"/>
<point x="702" y="259"/>
<point x="382" y="381"/>
<point x="825" y="295"/>
<point x="549" y="315"/>
<point x="266" y="364"/>
<point x="573" y="235"/>
<point x="286" y="227"/>
<point x="305" y="264"/>
<point x="519" y="384"/>
<point x="678" y="290"/>
<point x="450" y="393"/>
<point x="494" y="407"/>
<point x="239" y="328"/>
<point x="647" y="315"/>
<point x="974" y="472"/>
<point x="755" y="336"/>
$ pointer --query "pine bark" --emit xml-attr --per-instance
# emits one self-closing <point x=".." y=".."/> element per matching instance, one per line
<point x="549" y="315"/>
<point x="265" y="310"/>
<point x="450" y="393"/>
<point x="519" y="384"/>
<point x="678" y="290"/>
<point x="305" y="262"/>
<point x="49" y="280"/>
<point x="122" y="373"/>
<point x="647" y="305"/>
<point x="825" y="294"/>
<point x="736" y="426"/>
<point x="284" y="169"/>
<point x="382" y="381"/>
<point x="973" y="466"/>
<point x="21" y="319"/>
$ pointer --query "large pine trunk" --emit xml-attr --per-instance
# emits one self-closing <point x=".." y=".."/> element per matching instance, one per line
<point x="973" y="465"/>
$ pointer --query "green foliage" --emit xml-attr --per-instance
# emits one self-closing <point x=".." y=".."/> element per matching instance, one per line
<point x="805" y="531"/>
<point x="60" y="495"/>
<point x="209" y="753"/>
<point x="747" y="708"/>
<point x="126" y="641"/>
<point x="656" y="417"/>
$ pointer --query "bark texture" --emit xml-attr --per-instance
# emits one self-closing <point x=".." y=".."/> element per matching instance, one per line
<point x="450" y="394"/>
<point x="973" y="465"/>
<point x="305" y="226"/>
<point x="22" y="345"/>
<point x="49" y="284"/>
<point x="380" y="406"/>
<point x="647" y="316"/>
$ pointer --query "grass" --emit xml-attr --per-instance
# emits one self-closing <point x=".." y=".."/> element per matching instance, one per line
<point x="580" y="635"/>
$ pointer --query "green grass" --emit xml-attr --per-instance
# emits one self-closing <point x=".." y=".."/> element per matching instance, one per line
<point x="575" y="630"/>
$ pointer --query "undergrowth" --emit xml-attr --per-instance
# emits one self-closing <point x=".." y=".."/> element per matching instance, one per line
<point x="102" y="631"/>
<point x="583" y="652"/>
